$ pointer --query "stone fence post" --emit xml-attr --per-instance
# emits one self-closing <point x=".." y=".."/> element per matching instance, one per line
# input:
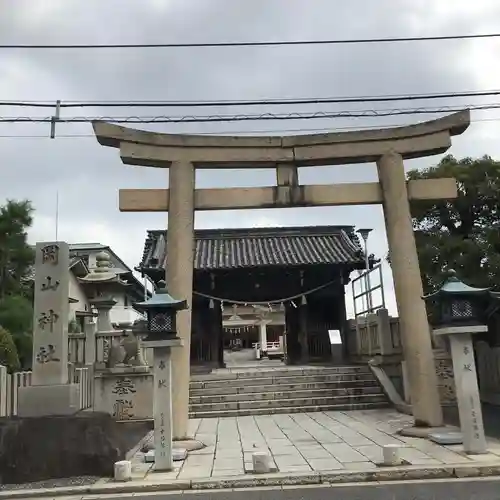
<point x="374" y="335"/>
<point x="90" y="328"/>
<point x="4" y="393"/>
<point x="384" y="332"/>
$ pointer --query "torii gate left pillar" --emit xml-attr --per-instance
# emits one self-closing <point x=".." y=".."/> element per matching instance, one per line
<point x="179" y="279"/>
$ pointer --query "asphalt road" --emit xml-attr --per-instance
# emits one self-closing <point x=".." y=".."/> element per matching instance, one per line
<point x="455" y="489"/>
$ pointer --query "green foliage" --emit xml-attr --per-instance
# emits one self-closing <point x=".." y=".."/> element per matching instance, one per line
<point x="464" y="233"/>
<point x="16" y="255"/>
<point x="16" y="264"/>
<point x="8" y="351"/>
<point x="24" y="346"/>
<point x="16" y="316"/>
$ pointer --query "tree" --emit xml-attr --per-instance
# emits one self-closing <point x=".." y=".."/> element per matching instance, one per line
<point x="16" y="255"/>
<point x="461" y="234"/>
<point x="16" y="316"/>
<point x="8" y="352"/>
<point x="16" y="264"/>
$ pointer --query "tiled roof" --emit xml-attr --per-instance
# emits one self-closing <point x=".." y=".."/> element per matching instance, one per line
<point x="86" y="246"/>
<point x="256" y="247"/>
<point x="30" y="276"/>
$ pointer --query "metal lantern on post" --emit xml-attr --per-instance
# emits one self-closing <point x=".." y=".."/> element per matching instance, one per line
<point x="458" y="304"/>
<point x="161" y="310"/>
<point x="459" y="312"/>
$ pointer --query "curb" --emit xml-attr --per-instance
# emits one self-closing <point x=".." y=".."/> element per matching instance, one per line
<point x="385" y="474"/>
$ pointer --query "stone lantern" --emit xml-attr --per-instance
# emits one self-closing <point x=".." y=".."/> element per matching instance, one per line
<point x="161" y="310"/>
<point x="458" y="304"/>
<point x="102" y="283"/>
<point x="459" y="311"/>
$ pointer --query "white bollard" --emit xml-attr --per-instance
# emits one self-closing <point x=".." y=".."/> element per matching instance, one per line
<point x="391" y="454"/>
<point x="261" y="462"/>
<point x="123" y="470"/>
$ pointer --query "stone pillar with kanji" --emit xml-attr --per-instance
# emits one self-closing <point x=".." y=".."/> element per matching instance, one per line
<point x="51" y="392"/>
<point x="161" y="310"/>
<point x="458" y="311"/>
<point x="465" y="374"/>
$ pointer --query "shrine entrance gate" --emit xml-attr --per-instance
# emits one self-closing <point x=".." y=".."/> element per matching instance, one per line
<point x="182" y="154"/>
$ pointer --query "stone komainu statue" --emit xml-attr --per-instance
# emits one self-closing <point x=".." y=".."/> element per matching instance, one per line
<point x="127" y="351"/>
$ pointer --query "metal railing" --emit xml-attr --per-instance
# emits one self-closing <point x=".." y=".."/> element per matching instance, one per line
<point x="11" y="383"/>
<point x="365" y="282"/>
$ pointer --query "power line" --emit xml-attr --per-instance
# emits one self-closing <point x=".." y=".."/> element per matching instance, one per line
<point x="262" y="102"/>
<point x="268" y="43"/>
<point x="253" y="131"/>
<point x="367" y="113"/>
<point x="49" y="103"/>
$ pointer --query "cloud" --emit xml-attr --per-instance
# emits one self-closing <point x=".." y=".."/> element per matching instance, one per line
<point x="87" y="175"/>
<point x="46" y="228"/>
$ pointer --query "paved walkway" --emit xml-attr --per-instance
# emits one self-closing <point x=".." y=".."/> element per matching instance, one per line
<point x="316" y="449"/>
<point x="309" y="442"/>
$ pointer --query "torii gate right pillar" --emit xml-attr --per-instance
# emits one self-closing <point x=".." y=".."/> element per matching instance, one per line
<point x="413" y="322"/>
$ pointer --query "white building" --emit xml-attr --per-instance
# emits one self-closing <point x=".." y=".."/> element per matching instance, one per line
<point x="83" y="260"/>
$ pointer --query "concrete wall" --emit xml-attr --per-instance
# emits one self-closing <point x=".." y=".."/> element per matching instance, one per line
<point x="122" y="312"/>
<point x="76" y="292"/>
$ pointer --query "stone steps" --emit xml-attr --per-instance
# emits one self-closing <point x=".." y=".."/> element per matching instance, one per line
<point x="277" y="394"/>
<point x="260" y="373"/>
<point x="287" y="390"/>
<point x="287" y="409"/>
<point x="248" y="389"/>
<point x="274" y="380"/>
<point x="317" y="400"/>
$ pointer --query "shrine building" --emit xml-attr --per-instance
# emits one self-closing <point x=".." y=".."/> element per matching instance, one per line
<point x="301" y="271"/>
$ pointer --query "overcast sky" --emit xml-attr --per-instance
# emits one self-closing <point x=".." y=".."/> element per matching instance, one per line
<point x="88" y="176"/>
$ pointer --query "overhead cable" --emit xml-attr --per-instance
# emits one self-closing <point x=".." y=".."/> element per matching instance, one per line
<point x="248" y="117"/>
<point x="261" y="102"/>
<point x="253" y="131"/>
<point x="264" y="43"/>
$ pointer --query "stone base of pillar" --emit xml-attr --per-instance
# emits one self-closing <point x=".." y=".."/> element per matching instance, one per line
<point x="46" y="400"/>
<point x="189" y="444"/>
<point x="424" y="432"/>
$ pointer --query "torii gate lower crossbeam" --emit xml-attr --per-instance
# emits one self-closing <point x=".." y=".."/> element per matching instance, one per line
<point x="387" y="147"/>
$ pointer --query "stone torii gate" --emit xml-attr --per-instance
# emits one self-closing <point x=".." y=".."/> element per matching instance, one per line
<point x="182" y="154"/>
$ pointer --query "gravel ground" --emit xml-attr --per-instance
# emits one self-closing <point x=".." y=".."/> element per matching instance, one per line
<point x="52" y="483"/>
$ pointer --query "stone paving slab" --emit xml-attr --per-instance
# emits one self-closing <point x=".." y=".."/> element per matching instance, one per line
<point x="307" y="448"/>
<point x="317" y="443"/>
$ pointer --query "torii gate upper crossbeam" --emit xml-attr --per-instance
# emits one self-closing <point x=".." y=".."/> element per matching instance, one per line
<point x="159" y="150"/>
